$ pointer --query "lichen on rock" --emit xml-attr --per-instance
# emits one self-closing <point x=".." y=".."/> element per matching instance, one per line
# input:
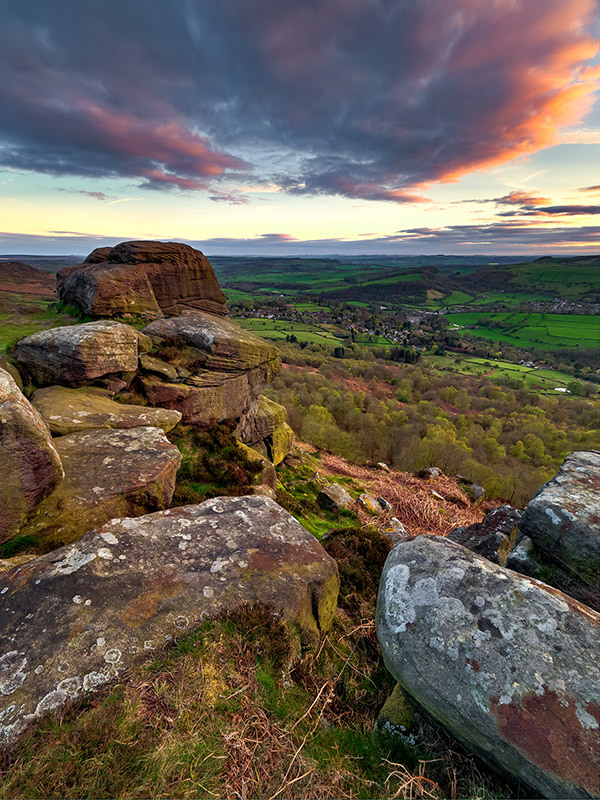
<point x="129" y="588"/>
<point x="508" y="664"/>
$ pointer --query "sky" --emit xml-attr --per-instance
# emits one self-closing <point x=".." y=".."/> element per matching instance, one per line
<point x="279" y="127"/>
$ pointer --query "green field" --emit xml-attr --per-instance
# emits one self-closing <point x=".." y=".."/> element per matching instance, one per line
<point x="28" y="316"/>
<point x="279" y="329"/>
<point x="544" y="380"/>
<point x="556" y="277"/>
<point x="540" y="331"/>
<point x="308" y="332"/>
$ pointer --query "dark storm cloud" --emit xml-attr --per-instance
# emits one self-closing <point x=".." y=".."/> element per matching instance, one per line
<point x="363" y="98"/>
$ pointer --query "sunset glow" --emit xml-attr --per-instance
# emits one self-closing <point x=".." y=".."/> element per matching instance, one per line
<point x="332" y="126"/>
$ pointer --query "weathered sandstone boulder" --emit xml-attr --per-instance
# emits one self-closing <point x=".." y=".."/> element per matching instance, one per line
<point x="156" y="366"/>
<point x="265" y="475"/>
<point x="218" y="396"/>
<point x="78" y="353"/>
<point x="279" y="443"/>
<point x="108" y="473"/>
<point x="76" y="618"/>
<point x="563" y="519"/>
<point x="69" y="410"/>
<point x="9" y="367"/>
<point x="213" y="343"/>
<point x="30" y="467"/>
<point x="508" y="664"/>
<point x="261" y="419"/>
<point x="395" y="530"/>
<point x="147" y="279"/>
<point x="429" y="473"/>
<point x="332" y="497"/>
<point x="493" y="537"/>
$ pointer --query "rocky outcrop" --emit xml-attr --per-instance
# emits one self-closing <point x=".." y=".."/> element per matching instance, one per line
<point x="563" y="519"/>
<point x="220" y="396"/>
<point x="108" y="473"/>
<point x="127" y="589"/>
<point x="493" y="537"/>
<point x="263" y="427"/>
<point x="222" y="367"/>
<point x="265" y="471"/>
<point x="147" y="279"/>
<point x="262" y="418"/>
<point x="207" y="342"/>
<point x="333" y="497"/>
<point x="69" y="410"/>
<point x="77" y="354"/>
<point x="508" y="664"/>
<point x="30" y="467"/>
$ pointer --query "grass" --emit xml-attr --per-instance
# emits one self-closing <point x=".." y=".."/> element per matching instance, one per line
<point x="537" y="331"/>
<point x="279" y="329"/>
<point x="27" y="317"/>
<point x="239" y="709"/>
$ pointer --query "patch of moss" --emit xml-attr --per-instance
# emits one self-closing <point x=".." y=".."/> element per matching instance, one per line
<point x="17" y="545"/>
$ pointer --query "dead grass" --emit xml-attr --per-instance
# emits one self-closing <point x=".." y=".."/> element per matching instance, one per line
<point x="411" y="499"/>
<point x="237" y="711"/>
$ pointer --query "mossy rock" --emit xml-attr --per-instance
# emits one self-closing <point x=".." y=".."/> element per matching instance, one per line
<point x="397" y="714"/>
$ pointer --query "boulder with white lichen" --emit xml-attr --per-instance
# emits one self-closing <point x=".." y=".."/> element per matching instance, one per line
<point x="563" y="519"/>
<point x="508" y="664"/>
<point x="126" y="589"/>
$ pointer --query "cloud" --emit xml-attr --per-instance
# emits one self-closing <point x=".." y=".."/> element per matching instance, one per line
<point x="124" y="200"/>
<point x="510" y="237"/>
<point x="368" y="99"/>
<point x="569" y="210"/>
<point x="523" y="199"/>
<point x="589" y="189"/>
<point x="95" y="195"/>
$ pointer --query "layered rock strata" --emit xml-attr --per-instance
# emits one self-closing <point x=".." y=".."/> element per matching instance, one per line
<point x="147" y="279"/>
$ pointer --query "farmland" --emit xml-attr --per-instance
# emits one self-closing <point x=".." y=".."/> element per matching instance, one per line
<point x="538" y="331"/>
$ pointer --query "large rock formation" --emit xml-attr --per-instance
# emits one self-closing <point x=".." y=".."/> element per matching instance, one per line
<point x="76" y="618"/>
<point x="508" y="664"/>
<point x="204" y="400"/>
<point x="69" y="410"/>
<point x="148" y="279"/>
<point x="108" y="473"/>
<point x="30" y="467"/>
<point x="563" y="519"/>
<point x="78" y="353"/>
<point x="222" y="367"/>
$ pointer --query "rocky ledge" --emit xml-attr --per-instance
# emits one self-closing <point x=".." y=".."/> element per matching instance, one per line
<point x="76" y="618"/>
